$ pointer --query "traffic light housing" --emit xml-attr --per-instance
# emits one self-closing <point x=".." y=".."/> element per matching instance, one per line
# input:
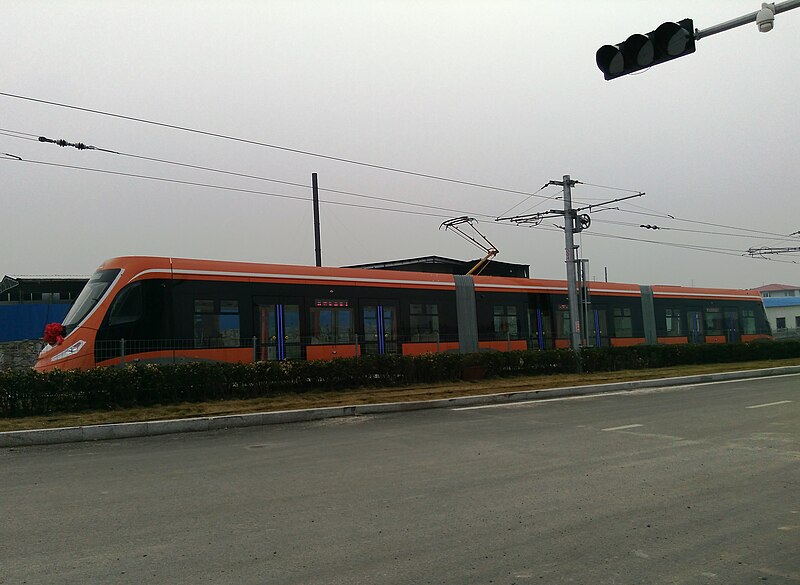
<point x="669" y="41"/>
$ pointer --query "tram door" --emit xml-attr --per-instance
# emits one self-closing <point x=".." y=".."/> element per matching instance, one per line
<point x="694" y="318"/>
<point x="731" y="317"/>
<point x="279" y="328"/>
<point x="541" y="328"/>
<point x="598" y="328"/>
<point x="380" y="327"/>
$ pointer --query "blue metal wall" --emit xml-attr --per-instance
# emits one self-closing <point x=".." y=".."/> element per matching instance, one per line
<point x="27" y="321"/>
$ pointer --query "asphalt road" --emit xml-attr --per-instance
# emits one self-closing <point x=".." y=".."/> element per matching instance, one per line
<point x="686" y="485"/>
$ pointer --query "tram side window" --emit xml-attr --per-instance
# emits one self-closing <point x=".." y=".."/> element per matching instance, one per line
<point x="127" y="307"/>
<point x="506" y="323"/>
<point x="424" y="321"/>
<point x="748" y="322"/>
<point x="331" y="325"/>
<point x="216" y="324"/>
<point x="714" y="325"/>
<point x="623" y="322"/>
<point x="673" y="322"/>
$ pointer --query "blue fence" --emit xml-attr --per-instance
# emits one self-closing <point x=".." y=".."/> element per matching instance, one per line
<point x="27" y="321"/>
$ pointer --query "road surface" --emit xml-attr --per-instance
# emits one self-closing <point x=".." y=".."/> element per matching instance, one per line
<point x="684" y="485"/>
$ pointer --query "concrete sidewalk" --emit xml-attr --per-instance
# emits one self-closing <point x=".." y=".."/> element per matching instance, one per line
<point x="210" y="423"/>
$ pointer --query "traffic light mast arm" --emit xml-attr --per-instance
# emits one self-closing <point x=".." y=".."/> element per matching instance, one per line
<point x="743" y="20"/>
<point x="672" y="40"/>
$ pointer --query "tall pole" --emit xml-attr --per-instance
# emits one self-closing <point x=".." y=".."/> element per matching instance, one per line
<point x="569" y="226"/>
<point x="317" y="244"/>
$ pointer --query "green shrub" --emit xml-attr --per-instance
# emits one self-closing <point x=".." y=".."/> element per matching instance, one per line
<point x="29" y="393"/>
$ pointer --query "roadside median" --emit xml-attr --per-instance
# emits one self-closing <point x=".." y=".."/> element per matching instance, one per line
<point x="306" y="407"/>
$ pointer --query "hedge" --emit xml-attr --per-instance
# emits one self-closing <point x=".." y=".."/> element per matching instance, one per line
<point x="29" y="393"/>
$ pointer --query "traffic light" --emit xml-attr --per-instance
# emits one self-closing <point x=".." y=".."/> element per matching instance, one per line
<point x="668" y="41"/>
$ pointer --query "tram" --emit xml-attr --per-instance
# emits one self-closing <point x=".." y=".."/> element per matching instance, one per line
<point x="171" y="310"/>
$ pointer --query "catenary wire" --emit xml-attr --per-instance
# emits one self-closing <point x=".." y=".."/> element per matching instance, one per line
<point x="260" y="178"/>
<point x="542" y="188"/>
<point x="685" y="246"/>
<point x="266" y="145"/>
<point x="225" y="188"/>
<point x="529" y="209"/>
<point x="724" y="251"/>
<point x="684" y="230"/>
<point x="675" y="218"/>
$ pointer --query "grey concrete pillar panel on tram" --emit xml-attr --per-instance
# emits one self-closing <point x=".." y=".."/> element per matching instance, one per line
<point x="467" y="314"/>
<point x="649" y="315"/>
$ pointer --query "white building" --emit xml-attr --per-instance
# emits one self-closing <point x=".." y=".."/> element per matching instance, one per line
<point x="782" y="303"/>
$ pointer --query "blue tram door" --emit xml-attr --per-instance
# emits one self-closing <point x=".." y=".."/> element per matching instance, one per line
<point x="380" y="327"/>
<point x="694" y="319"/>
<point x="731" y="317"/>
<point x="279" y="328"/>
<point x="541" y="329"/>
<point x="598" y="332"/>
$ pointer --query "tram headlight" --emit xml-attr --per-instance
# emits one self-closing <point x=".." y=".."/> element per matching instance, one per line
<point x="70" y="351"/>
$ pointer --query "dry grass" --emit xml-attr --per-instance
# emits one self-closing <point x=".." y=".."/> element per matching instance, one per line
<point x="369" y="396"/>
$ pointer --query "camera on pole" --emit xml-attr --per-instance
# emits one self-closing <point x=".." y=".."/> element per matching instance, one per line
<point x="669" y="41"/>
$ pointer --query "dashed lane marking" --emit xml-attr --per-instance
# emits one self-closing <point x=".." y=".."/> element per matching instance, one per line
<point x="769" y="404"/>
<point x="622" y="427"/>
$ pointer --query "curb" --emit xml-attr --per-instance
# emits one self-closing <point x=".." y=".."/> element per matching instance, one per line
<point x="212" y="423"/>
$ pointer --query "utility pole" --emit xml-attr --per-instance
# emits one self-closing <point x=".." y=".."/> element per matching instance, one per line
<point x="572" y="290"/>
<point x="574" y="222"/>
<point x="317" y="244"/>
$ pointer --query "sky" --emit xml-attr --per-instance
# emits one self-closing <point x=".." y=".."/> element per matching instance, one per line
<point x="497" y="93"/>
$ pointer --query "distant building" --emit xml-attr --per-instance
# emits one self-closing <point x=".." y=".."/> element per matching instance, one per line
<point x="442" y="265"/>
<point x="782" y="303"/>
<point x="769" y="291"/>
<point x="28" y="303"/>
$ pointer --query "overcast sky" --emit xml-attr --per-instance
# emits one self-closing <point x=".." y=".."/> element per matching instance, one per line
<point x="500" y="93"/>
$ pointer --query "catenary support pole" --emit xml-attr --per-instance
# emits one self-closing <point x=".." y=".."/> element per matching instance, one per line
<point x="572" y="292"/>
<point x="317" y="244"/>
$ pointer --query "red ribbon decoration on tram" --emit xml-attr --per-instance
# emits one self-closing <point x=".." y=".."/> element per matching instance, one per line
<point x="54" y="333"/>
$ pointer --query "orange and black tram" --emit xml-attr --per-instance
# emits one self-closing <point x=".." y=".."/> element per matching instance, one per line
<point x="169" y="310"/>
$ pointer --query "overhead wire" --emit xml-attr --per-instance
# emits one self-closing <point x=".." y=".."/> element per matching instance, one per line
<point x="529" y="209"/>
<point x="224" y="188"/>
<point x="711" y="224"/>
<point x="29" y="136"/>
<point x="725" y="251"/>
<point x="261" y="178"/>
<point x="542" y="188"/>
<point x="607" y="187"/>
<point x="266" y="145"/>
<point x="684" y="230"/>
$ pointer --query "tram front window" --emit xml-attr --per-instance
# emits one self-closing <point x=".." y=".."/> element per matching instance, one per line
<point x="90" y="295"/>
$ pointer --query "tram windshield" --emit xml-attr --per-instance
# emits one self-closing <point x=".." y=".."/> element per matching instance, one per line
<point x="90" y="295"/>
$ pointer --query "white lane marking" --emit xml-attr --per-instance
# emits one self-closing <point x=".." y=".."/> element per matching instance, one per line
<point x="601" y="394"/>
<point x="731" y="381"/>
<point x="622" y="427"/>
<point x="769" y="404"/>
<point x="545" y="400"/>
